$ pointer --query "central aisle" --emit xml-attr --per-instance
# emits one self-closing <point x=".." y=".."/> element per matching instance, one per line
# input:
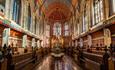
<point x="51" y="63"/>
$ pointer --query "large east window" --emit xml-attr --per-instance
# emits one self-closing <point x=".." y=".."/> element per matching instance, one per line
<point x="98" y="11"/>
<point x="57" y="29"/>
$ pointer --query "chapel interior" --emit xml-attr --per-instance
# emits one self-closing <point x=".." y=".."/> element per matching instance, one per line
<point x="57" y="34"/>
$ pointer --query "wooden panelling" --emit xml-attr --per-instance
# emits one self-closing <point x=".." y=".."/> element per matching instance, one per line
<point x="113" y="40"/>
<point x="3" y="65"/>
<point x="98" y="38"/>
<point x="1" y="34"/>
<point x="112" y="29"/>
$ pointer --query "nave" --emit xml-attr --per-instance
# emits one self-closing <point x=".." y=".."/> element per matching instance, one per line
<point x="64" y="63"/>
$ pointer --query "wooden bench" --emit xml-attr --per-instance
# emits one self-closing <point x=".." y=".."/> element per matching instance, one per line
<point x="95" y="61"/>
<point x="21" y="61"/>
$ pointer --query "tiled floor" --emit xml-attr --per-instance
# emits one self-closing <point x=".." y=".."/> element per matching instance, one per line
<point x="65" y="63"/>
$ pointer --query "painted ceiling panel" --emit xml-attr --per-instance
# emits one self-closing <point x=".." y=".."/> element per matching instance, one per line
<point x="49" y="7"/>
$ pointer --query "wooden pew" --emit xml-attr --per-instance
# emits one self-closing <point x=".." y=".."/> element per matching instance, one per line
<point x="92" y="61"/>
<point x="92" y="58"/>
<point x="3" y="64"/>
<point x="21" y="61"/>
<point x="22" y="58"/>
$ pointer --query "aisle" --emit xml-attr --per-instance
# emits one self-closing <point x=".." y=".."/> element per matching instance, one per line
<point x="45" y="65"/>
<point x="64" y="63"/>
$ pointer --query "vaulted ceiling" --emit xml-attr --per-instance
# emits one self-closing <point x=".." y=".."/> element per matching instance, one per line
<point x="57" y="10"/>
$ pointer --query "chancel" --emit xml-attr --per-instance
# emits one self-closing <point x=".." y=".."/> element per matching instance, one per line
<point x="57" y="34"/>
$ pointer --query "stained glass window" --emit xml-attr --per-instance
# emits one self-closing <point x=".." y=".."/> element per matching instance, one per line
<point x="66" y="29"/>
<point x="84" y="24"/>
<point x="57" y="29"/>
<point x="16" y="10"/>
<point x="48" y="30"/>
<point x="35" y="26"/>
<point x="86" y="18"/>
<point x="113" y="6"/>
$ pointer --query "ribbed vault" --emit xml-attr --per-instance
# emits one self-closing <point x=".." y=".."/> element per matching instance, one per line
<point x="57" y="11"/>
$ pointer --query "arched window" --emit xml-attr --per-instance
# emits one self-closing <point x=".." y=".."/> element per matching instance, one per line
<point x="86" y="18"/>
<point x="35" y="26"/>
<point x="113" y="1"/>
<point x="98" y="11"/>
<point x="17" y="11"/>
<point x="57" y="29"/>
<point x="112" y="7"/>
<point x="66" y="29"/>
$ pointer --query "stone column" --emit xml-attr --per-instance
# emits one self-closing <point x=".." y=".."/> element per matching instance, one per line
<point x="25" y="14"/>
<point x="7" y="8"/>
<point x="92" y="13"/>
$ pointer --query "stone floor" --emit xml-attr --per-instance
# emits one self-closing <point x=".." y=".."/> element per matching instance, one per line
<point x="51" y="63"/>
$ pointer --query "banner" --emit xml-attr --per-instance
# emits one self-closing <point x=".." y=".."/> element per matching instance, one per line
<point x="24" y="44"/>
<point x="38" y="43"/>
<point x="89" y="40"/>
<point x="107" y="37"/>
<point x="81" y="42"/>
<point x="33" y="42"/>
<point x="6" y="35"/>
